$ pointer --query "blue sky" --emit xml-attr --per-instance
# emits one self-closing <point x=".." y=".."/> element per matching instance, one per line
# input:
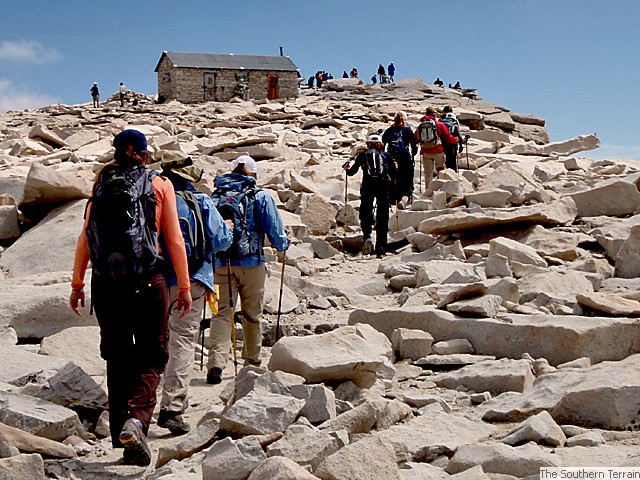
<point x="572" y="62"/>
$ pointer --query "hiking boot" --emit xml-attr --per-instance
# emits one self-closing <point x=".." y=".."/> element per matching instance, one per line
<point x="380" y="252"/>
<point x="250" y="363"/>
<point x="136" y="448"/>
<point x="368" y="246"/>
<point x="174" y="422"/>
<point x="214" y="377"/>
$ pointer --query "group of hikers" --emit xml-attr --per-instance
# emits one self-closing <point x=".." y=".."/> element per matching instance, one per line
<point x="161" y="251"/>
<point x="95" y="94"/>
<point x="382" y="75"/>
<point x="154" y="243"/>
<point x="388" y="167"/>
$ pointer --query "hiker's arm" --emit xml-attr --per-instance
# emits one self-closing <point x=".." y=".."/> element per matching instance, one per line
<point x="169" y="226"/>
<point x="443" y="131"/>
<point x="271" y="222"/>
<point x="353" y="169"/>
<point x="412" y="141"/>
<point x="215" y="228"/>
<point x="80" y="263"/>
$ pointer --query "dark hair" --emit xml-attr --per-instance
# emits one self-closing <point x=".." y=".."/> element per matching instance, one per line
<point x="447" y="109"/>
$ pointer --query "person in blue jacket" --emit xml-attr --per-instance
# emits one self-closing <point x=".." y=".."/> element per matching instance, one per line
<point x="183" y="332"/>
<point x="248" y="271"/>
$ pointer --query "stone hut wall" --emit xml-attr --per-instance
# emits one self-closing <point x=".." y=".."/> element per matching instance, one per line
<point x="187" y="84"/>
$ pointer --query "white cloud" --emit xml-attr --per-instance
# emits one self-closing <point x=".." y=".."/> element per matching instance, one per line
<point x="28" y="52"/>
<point x="609" y="152"/>
<point x="14" y="98"/>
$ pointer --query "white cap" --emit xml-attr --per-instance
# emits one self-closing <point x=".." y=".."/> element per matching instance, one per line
<point x="375" y="138"/>
<point x="248" y="162"/>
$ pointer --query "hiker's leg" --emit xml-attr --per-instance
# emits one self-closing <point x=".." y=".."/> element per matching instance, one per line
<point x="116" y="348"/>
<point x="439" y="160"/>
<point x="183" y="336"/>
<point x="382" y="217"/>
<point x="220" y="331"/>
<point x="252" y="282"/>
<point x="151" y="332"/>
<point x="366" y="210"/>
<point x="427" y="167"/>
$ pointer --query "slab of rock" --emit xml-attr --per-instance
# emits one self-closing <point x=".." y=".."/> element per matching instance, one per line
<point x="603" y="396"/>
<point x="577" y="144"/>
<point x="261" y="412"/>
<point x="317" y="214"/>
<point x="272" y="297"/>
<point x="411" y="344"/>
<point x="627" y="259"/>
<point x="558" y="338"/>
<point x="37" y="311"/>
<point x="496" y="198"/>
<point x="495" y="376"/>
<point x="23" y="467"/>
<point x="559" y="284"/>
<point x="558" y="212"/>
<point x="432" y="434"/>
<point x="231" y="459"/>
<point x="30" y="443"/>
<point x="448" y="271"/>
<point x="485" y="306"/>
<point x="368" y="458"/>
<point x="614" y="198"/>
<point x="453" y="346"/>
<point x="193" y="442"/>
<point x="587" y="439"/>
<point x="305" y="446"/>
<point x="540" y="428"/>
<point x="9" y="228"/>
<point x="447" y="361"/>
<point x="360" y="419"/>
<point x="39" y="417"/>
<point x="342" y="354"/>
<point x="515" y="251"/>
<point x="19" y="366"/>
<point x="72" y="387"/>
<point x="609" y="304"/>
<point x="280" y="468"/>
<point x="520" y="461"/>
<point x="394" y="411"/>
<point x="46" y="185"/>
<point x="57" y="232"/>
<point x="79" y="345"/>
<point x="320" y="402"/>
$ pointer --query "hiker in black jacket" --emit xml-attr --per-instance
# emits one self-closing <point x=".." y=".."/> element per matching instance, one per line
<point x="401" y="144"/>
<point x="378" y="172"/>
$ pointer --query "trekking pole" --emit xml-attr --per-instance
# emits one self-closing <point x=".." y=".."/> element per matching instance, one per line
<point x="232" y="315"/>
<point x="420" y="182"/>
<point x="202" y="329"/>
<point x="346" y="196"/>
<point x="466" y="147"/>
<point x="284" y="256"/>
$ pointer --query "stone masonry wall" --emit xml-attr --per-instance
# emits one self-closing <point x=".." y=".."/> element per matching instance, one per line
<point x="187" y="84"/>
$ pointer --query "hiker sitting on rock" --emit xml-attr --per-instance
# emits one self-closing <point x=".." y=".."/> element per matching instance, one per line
<point x="205" y="233"/>
<point x="378" y="171"/>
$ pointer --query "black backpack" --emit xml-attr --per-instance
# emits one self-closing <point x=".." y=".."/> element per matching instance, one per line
<point x="374" y="166"/>
<point x="192" y="226"/>
<point x="397" y="144"/>
<point x="121" y="232"/>
<point x="238" y="205"/>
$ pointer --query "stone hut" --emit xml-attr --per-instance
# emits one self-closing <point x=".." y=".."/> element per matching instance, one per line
<point x="203" y="77"/>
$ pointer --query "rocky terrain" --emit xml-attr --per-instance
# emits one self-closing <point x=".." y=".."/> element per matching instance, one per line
<point x="500" y="335"/>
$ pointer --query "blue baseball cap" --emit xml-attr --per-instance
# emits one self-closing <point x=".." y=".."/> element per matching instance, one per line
<point x="130" y="137"/>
